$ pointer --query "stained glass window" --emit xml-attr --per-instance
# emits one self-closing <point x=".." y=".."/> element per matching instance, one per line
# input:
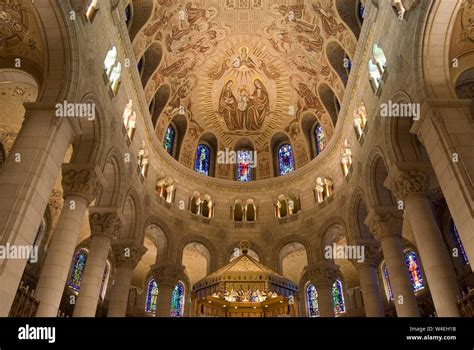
<point x="128" y="14"/>
<point x="203" y="159"/>
<point x="388" y="285"/>
<point x="151" y="296"/>
<point x="457" y="240"/>
<point x="244" y="169"/>
<point x="168" y="143"/>
<point x="338" y="298"/>
<point x="285" y="159"/>
<point x="319" y="138"/>
<point x="312" y="301"/>
<point x="177" y="301"/>
<point x="77" y="270"/>
<point x="361" y="12"/>
<point x="414" y="271"/>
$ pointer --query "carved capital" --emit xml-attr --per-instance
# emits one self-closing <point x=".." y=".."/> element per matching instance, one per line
<point x="104" y="222"/>
<point x="128" y="253"/>
<point x="168" y="274"/>
<point x="371" y="254"/>
<point x="323" y="273"/>
<point x="384" y="221"/>
<point x="407" y="182"/>
<point x="80" y="180"/>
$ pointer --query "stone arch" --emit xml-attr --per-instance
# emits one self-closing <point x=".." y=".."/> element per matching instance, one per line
<point x="293" y="238"/>
<point x="332" y="230"/>
<point x="111" y="194"/>
<point x="158" y="234"/>
<point x="347" y="10"/>
<point x="151" y="61"/>
<point x="377" y="170"/>
<point x="337" y="56"/>
<point x="308" y="124"/>
<point x="159" y="102"/>
<point x="329" y="99"/>
<point x="131" y="214"/>
<point x="464" y="84"/>
<point x="358" y="211"/>
<point x="196" y="258"/>
<point x="213" y="263"/>
<point x="292" y="259"/>
<point x="90" y="146"/>
<point x="142" y="12"/>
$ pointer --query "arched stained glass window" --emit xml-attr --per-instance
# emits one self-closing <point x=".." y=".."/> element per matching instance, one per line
<point x="457" y="241"/>
<point x="177" y="301"/>
<point x="312" y="302"/>
<point x="319" y="139"/>
<point x="414" y="272"/>
<point x="244" y="166"/>
<point x="387" y="284"/>
<point x="168" y="143"/>
<point x="203" y="159"/>
<point x="338" y="298"/>
<point x="285" y="159"/>
<point x="77" y="270"/>
<point x="151" y="296"/>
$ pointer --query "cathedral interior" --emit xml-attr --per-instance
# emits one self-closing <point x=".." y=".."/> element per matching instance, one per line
<point x="236" y="158"/>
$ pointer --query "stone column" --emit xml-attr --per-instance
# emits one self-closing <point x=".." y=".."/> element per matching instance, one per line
<point x="447" y="132"/>
<point x="410" y="183"/>
<point x="26" y="182"/>
<point x="80" y="183"/>
<point x="369" y="283"/>
<point x="323" y="275"/>
<point x="105" y="225"/>
<point x="166" y="276"/>
<point x="385" y="223"/>
<point x="127" y="255"/>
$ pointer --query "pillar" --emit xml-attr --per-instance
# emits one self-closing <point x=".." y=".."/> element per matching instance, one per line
<point x="446" y="130"/>
<point x="385" y="223"/>
<point x="411" y="184"/>
<point x="105" y="225"/>
<point x="80" y="183"/>
<point x="322" y="276"/>
<point x="369" y="283"/>
<point x="166" y="276"/>
<point x="26" y="182"/>
<point x="127" y="255"/>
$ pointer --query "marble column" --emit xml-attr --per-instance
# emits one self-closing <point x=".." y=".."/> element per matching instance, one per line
<point x="26" y="182"/>
<point x="385" y="223"/>
<point x="105" y="225"/>
<point x="166" y="276"/>
<point x="127" y="255"/>
<point x="410" y="183"/>
<point x="369" y="283"/>
<point x="447" y="132"/>
<point x="80" y="183"/>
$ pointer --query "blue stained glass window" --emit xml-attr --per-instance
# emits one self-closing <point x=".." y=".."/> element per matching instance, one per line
<point x="285" y="159"/>
<point x="312" y="301"/>
<point x="128" y="14"/>
<point x="361" y="11"/>
<point x="338" y="298"/>
<point x="414" y="272"/>
<point x="168" y="143"/>
<point x="457" y="239"/>
<point x="77" y="270"/>
<point x="388" y="285"/>
<point x="151" y="296"/>
<point x="319" y="138"/>
<point x="177" y="301"/>
<point x="244" y="169"/>
<point x="203" y="160"/>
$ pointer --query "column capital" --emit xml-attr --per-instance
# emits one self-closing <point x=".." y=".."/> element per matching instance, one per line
<point x="409" y="179"/>
<point x="371" y="253"/>
<point x="384" y="221"/>
<point x="128" y="252"/>
<point x="104" y="222"/>
<point x="323" y="273"/>
<point x="81" y="180"/>
<point x="167" y="274"/>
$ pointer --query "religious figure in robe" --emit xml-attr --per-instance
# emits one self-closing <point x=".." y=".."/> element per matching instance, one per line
<point x="228" y="107"/>
<point x="258" y="108"/>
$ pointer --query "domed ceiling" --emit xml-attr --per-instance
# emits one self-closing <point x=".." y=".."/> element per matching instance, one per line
<point x="247" y="69"/>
